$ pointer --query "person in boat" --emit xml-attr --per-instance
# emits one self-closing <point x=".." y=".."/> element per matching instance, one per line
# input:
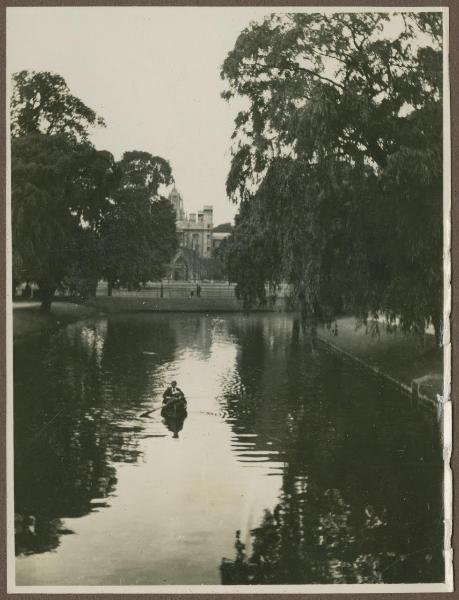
<point x="174" y="408"/>
<point x="173" y="394"/>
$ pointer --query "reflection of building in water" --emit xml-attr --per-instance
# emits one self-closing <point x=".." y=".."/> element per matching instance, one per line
<point x="92" y="337"/>
<point x="196" y="241"/>
<point x="194" y="334"/>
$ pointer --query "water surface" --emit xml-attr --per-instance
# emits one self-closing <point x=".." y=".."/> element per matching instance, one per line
<point x="292" y="466"/>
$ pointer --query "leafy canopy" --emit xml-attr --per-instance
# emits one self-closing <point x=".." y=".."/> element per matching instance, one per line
<point x="337" y="162"/>
<point x="76" y="213"/>
<point x="41" y="102"/>
<point x="138" y="232"/>
<point x="59" y="192"/>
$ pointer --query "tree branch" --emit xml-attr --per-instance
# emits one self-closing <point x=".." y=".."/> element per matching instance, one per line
<point x="314" y="74"/>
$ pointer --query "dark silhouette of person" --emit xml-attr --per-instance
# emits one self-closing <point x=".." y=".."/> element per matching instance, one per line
<point x="174" y="408"/>
<point x="27" y="291"/>
<point x="173" y="393"/>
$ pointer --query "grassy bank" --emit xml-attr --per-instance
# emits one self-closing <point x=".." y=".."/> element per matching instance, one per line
<point x="28" y="319"/>
<point x="147" y="303"/>
<point x="399" y="357"/>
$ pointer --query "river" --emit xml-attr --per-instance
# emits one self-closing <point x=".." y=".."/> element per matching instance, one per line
<point x="293" y="465"/>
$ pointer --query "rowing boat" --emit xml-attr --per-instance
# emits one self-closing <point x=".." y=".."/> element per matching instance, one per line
<point x="175" y="408"/>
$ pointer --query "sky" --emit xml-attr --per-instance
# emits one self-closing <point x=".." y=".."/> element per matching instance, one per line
<point x="153" y="73"/>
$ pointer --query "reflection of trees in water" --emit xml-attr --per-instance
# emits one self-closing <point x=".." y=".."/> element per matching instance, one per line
<point x="308" y="537"/>
<point x="136" y="347"/>
<point x="315" y="536"/>
<point x="361" y="497"/>
<point x="77" y="394"/>
<point x="34" y="535"/>
<point x="268" y="391"/>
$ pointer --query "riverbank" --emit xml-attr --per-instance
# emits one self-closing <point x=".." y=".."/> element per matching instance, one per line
<point x="148" y="303"/>
<point x="28" y="319"/>
<point x="415" y="366"/>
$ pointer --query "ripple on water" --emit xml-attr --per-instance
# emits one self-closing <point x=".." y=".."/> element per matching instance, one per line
<point x="327" y="475"/>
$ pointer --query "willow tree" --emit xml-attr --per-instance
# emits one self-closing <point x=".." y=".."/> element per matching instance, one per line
<point x="337" y="162"/>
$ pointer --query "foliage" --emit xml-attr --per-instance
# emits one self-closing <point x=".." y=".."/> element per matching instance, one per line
<point x="138" y="234"/>
<point x="59" y="191"/>
<point x="60" y="185"/>
<point x="77" y="214"/>
<point x="251" y="256"/>
<point x="83" y="274"/>
<point x="141" y="170"/>
<point x="223" y="228"/>
<point x="337" y="163"/>
<point x="41" y="102"/>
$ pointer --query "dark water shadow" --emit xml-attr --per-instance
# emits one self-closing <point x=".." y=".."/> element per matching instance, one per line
<point x="361" y="498"/>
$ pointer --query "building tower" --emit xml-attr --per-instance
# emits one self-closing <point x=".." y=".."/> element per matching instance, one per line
<point x="177" y="202"/>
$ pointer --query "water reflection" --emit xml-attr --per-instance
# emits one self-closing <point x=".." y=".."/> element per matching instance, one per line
<point x="174" y="420"/>
<point x="309" y="466"/>
<point x="76" y="401"/>
<point x="361" y="498"/>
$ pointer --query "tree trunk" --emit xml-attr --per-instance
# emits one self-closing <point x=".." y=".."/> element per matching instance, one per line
<point x="303" y="311"/>
<point x="47" y="297"/>
<point x="308" y="321"/>
<point x="295" y="331"/>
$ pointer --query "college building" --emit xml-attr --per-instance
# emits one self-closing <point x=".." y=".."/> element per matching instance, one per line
<point x="197" y="241"/>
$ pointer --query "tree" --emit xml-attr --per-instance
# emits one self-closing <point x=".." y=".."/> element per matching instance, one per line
<point x="223" y="228"/>
<point x="251" y="256"/>
<point x="60" y="185"/>
<point x="77" y="213"/>
<point x="142" y="170"/>
<point x="41" y="102"/>
<point x="57" y="201"/>
<point x="337" y="163"/>
<point x="138" y="234"/>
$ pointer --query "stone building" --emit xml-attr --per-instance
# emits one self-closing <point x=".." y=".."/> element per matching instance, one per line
<point x="193" y="258"/>
<point x="195" y="229"/>
<point x="198" y="242"/>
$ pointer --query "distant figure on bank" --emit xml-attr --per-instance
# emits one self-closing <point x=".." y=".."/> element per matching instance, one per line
<point x="198" y="291"/>
<point x="27" y="291"/>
